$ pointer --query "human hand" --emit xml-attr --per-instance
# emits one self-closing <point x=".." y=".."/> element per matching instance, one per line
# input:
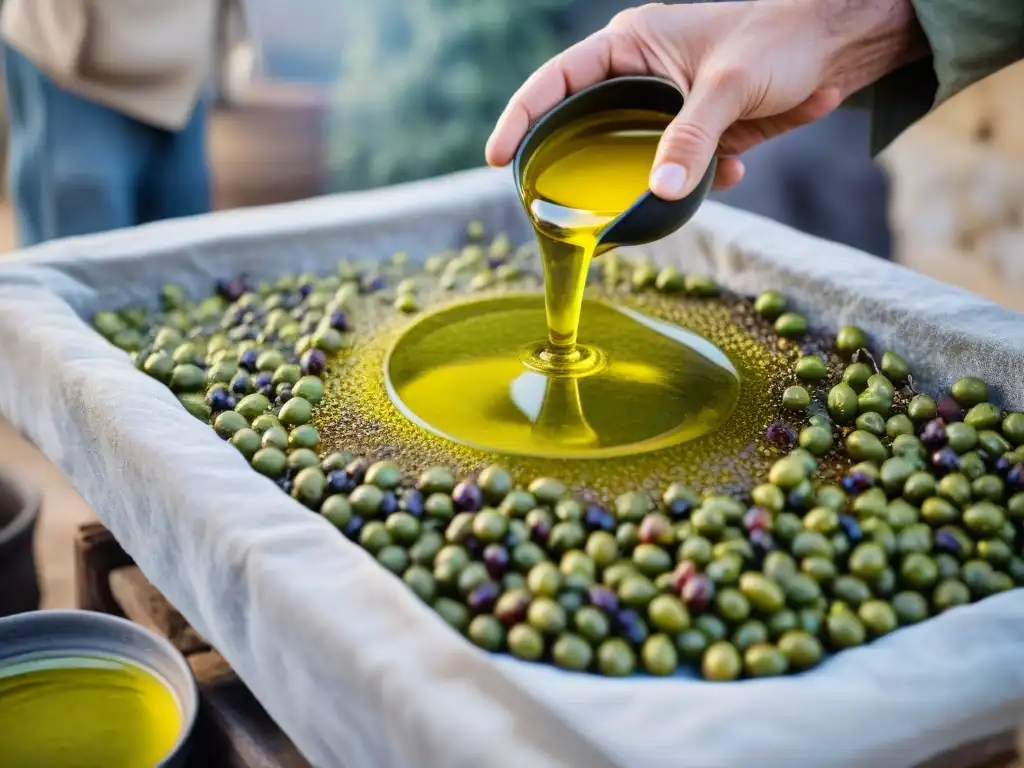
<point x="750" y="71"/>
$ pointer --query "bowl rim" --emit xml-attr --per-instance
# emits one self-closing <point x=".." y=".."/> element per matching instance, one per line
<point x="29" y="501"/>
<point x="190" y="689"/>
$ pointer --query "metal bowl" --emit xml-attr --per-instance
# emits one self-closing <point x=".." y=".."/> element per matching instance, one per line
<point x="650" y="218"/>
<point x="56" y="633"/>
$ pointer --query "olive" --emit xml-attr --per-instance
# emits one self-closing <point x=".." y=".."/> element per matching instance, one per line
<point x="845" y="630"/>
<point x="895" y="367"/>
<point x="856" y="376"/>
<point x="810" y="369"/>
<point x="659" y="656"/>
<point x="863" y="446"/>
<point x="910" y="607"/>
<point x="1013" y="428"/>
<point x="878" y="617"/>
<point x="921" y="408"/>
<point x="770" y="304"/>
<point x="869" y="421"/>
<point x="524" y="642"/>
<point x="790" y="324"/>
<point x="842" y="403"/>
<point x="949" y="594"/>
<point x="670" y="280"/>
<point x="765" y="660"/>
<point x="615" y="658"/>
<point x="817" y="440"/>
<point x="691" y="645"/>
<point x="970" y="391"/>
<point x="849" y="339"/>
<point x="899" y="425"/>
<point x="795" y="398"/>
<point x="801" y="649"/>
<point x="721" y="661"/>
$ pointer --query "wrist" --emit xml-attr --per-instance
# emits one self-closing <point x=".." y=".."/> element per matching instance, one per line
<point x="867" y="39"/>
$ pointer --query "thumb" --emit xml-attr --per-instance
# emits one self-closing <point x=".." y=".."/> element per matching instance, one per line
<point x="690" y="140"/>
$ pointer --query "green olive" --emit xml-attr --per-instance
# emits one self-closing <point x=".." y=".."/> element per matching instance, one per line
<point x="857" y="375"/>
<point x="842" y="403"/>
<point x="770" y="304"/>
<point x="849" y="339"/>
<point x="802" y="649"/>
<point x="863" y="446"/>
<point x="810" y="369"/>
<point x="895" y="367"/>
<point x="969" y="391"/>
<point x="721" y="662"/>
<point x="921" y="408"/>
<point x="795" y="398"/>
<point x="791" y="324"/>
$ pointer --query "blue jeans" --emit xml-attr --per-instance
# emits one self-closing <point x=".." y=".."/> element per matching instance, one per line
<point x="76" y="167"/>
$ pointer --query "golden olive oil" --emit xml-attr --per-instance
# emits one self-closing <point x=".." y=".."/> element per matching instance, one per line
<point x="576" y="183"/>
<point x="84" y="712"/>
<point x="533" y="376"/>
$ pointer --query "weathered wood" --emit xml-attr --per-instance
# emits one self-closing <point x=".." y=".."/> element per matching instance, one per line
<point x="97" y="553"/>
<point x="143" y="604"/>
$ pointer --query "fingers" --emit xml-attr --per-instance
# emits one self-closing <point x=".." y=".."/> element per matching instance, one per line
<point x="747" y="134"/>
<point x="590" y="61"/>
<point x="729" y="173"/>
<point x="715" y="102"/>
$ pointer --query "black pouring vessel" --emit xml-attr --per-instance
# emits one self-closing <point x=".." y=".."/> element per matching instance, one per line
<point x="650" y="218"/>
<point x="19" y="513"/>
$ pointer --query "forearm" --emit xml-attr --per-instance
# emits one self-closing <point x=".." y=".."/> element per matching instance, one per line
<point x="867" y="40"/>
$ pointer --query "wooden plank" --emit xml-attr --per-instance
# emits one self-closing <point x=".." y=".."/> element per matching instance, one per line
<point x="97" y="553"/>
<point x="143" y="604"/>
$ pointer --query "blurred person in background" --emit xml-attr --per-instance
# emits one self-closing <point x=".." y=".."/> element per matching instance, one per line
<point x="106" y="109"/>
<point x="420" y="87"/>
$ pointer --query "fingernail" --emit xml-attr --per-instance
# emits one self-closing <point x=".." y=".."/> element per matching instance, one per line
<point x="668" y="181"/>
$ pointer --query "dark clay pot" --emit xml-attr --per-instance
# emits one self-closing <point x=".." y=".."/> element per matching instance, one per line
<point x="19" y="511"/>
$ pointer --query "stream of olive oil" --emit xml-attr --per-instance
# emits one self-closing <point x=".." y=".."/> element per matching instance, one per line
<point x="84" y="712"/>
<point x="558" y="376"/>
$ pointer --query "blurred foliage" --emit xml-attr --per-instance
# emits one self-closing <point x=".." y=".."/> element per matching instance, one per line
<point x="422" y="82"/>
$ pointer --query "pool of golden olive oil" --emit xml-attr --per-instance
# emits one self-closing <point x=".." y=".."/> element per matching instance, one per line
<point x="559" y="376"/>
<point x="84" y="711"/>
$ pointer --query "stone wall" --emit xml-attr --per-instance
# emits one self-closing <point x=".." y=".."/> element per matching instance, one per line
<point x="958" y="190"/>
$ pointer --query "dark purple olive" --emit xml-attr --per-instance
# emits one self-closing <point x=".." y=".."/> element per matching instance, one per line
<point x="850" y="527"/>
<point x="338" y="321"/>
<point x="630" y="626"/>
<point x="220" y="400"/>
<point x="241" y="383"/>
<point x="305" y="289"/>
<point x="247" y="360"/>
<point x="372" y="283"/>
<point x="945" y="460"/>
<point x="313" y="362"/>
<point x="933" y="435"/>
<point x="597" y="518"/>
<point x="267" y="390"/>
<point x="468" y="497"/>
<point x="412" y="502"/>
<point x="229" y="290"/>
<point x="496" y="560"/>
<point x="339" y="482"/>
<point x="482" y="598"/>
<point x="263" y="379"/>
<point x="757" y="519"/>
<point x="285" y="484"/>
<point x="603" y="598"/>
<point x="780" y="435"/>
<point x="1015" y="478"/>
<point x="949" y="410"/>
<point x="761" y="541"/>
<point x="356" y="469"/>
<point x="388" y="503"/>
<point x="473" y="545"/>
<point x="683" y="572"/>
<point x="947" y="541"/>
<point x="540" y="530"/>
<point x="284" y="393"/>
<point x="511" y="607"/>
<point x="855" y="483"/>
<point x="654" y="529"/>
<point x="1002" y="465"/>
<point x="679" y="509"/>
<point x="697" y="592"/>
<point x="353" y="527"/>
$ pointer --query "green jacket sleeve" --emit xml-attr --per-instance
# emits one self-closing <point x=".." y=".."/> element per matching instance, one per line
<point x="970" y="40"/>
